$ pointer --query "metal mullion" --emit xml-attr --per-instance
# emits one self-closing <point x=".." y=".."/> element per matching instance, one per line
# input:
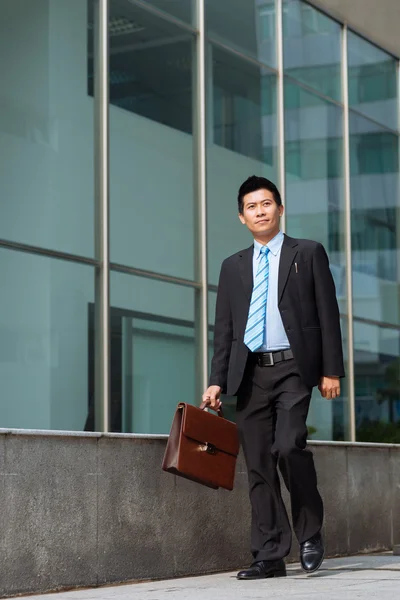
<point x="163" y="15"/>
<point x="201" y="201"/>
<point x="348" y="248"/>
<point x="102" y="281"/>
<point x="356" y="112"/>
<point x="398" y="167"/>
<point x="154" y="275"/>
<point x="46" y="252"/>
<point x="280" y="105"/>
<point x="380" y="324"/>
<point x="314" y="92"/>
<point x="240" y="54"/>
<point x="398" y="95"/>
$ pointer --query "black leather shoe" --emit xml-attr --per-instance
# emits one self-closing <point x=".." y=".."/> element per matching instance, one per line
<point x="312" y="553"/>
<point x="262" y="569"/>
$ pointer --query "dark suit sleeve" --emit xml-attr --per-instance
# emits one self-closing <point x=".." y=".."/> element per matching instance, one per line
<point x="222" y="333"/>
<point x="328" y="313"/>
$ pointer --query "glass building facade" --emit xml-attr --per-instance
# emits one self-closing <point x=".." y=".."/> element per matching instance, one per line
<point x="126" y="128"/>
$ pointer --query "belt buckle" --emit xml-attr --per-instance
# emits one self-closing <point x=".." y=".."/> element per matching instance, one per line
<point x="270" y="361"/>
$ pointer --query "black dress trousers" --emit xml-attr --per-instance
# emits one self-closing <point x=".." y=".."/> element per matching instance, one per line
<point x="272" y="408"/>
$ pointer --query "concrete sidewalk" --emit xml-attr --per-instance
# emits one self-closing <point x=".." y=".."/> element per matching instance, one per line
<point x="350" y="578"/>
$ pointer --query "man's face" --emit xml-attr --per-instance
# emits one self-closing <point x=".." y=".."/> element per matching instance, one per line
<point x="261" y="214"/>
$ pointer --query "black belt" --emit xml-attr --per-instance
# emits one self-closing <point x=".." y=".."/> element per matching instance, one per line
<point x="268" y="359"/>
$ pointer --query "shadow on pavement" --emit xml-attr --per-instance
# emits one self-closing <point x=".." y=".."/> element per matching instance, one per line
<point x="336" y="566"/>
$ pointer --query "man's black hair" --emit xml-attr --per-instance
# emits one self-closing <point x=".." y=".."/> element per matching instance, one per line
<point x="253" y="184"/>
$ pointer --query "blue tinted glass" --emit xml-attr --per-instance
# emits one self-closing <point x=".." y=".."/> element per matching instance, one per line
<point x="45" y="350"/>
<point x="46" y="127"/>
<point x="374" y="164"/>
<point x="242" y="140"/>
<point x="377" y="376"/>
<point x="315" y="210"/>
<point x="372" y="81"/>
<point x="185" y="10"/>
<point x="151" y="143"/>
<point x="150" y="318"/>
<point x="312" y="48"/>
<point x="246" y="26"/>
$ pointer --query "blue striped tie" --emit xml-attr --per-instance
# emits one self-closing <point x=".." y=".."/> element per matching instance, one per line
<point x="255" y="328"/>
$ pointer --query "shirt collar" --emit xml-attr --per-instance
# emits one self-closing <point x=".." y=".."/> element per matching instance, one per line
<point x="273" y="245"/>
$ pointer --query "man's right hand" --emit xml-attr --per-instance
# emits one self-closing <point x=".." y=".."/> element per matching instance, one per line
<point x="211" y="397"/>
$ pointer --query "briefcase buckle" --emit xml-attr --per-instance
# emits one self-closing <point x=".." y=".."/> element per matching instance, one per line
<point x="209" y="448"/>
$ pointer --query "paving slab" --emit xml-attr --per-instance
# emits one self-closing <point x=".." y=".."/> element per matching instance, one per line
<point x="355" y="577"/>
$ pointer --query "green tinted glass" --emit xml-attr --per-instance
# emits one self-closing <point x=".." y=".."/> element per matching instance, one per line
<point x="372" y="81"/>
<point x="375" y="223"/>
<point x="248" y="27"/>
<point x="312" y="48"/>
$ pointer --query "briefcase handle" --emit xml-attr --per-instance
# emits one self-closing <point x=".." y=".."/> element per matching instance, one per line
<point x="219" y="412"/>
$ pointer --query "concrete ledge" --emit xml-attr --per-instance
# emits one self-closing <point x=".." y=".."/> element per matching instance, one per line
<point x="84" y="509"/>
<point x="161" y="436"/>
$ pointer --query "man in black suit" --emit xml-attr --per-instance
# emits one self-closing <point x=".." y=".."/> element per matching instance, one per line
<point x="277" y="335"/>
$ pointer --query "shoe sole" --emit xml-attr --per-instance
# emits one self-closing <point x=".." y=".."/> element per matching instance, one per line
<point x="316" y="568"/>
<point x="277" y="574"/>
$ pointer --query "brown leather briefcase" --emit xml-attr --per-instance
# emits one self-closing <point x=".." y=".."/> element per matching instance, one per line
<point x="202" y="447"/>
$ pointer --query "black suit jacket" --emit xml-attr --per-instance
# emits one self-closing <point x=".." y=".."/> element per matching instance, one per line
<point x="308" y="306"/>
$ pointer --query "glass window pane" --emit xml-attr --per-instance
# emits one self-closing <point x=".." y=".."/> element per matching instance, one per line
<point x="44" y="342"/>
<point x="374" y="221"/>
<point x="372" y="81"/>
<point x="314" y="176"/>
<point x="377" y="377"/>
<point x="153" y="353"/>
<point x="315" y="210"/>
<point x="185" y="10"/>
<point x="46" y="126"/>
<point x="151" y="148"/>
<point x="312" y="48"/>
<point x="329" y="419"/>
<point x="242" y="141"/>
<point x="245" y="26"/>
<point x="228" y="402"/>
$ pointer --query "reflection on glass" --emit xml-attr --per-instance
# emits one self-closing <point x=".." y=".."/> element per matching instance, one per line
<point x="312" y="48"/>
<point x="244" y="107"/>
<point x="185" y="10"/>
<point x="151" y="143"/>
<point x="374" y="221"/>
<point x="372" y="81"/>
<point x="329" y="419"/>
<point x="44" y="347"/>
<point x="153" y="353"/>
<point x="315" y="210"/>
<point x="245" y="26"/>
<point x="242" y="142"/>
<point x="228" y="402"/>
<point x="314" y="176"/>
<point x="150" y="65"/>
<point x="46" y="127"/>
<point x="377" y="383"/>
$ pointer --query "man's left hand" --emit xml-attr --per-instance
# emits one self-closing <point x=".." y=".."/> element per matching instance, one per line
<point x="329" y="387"/>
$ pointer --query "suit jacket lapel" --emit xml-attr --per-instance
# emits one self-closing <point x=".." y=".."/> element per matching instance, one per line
<point x="288" y="253"/>
<point x="246" y="270"/>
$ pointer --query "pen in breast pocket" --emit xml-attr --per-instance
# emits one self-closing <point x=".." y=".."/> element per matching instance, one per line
<point x="295" y="266"/>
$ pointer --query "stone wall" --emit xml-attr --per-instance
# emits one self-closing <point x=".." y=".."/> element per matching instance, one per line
<point x="90" y="509"/>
